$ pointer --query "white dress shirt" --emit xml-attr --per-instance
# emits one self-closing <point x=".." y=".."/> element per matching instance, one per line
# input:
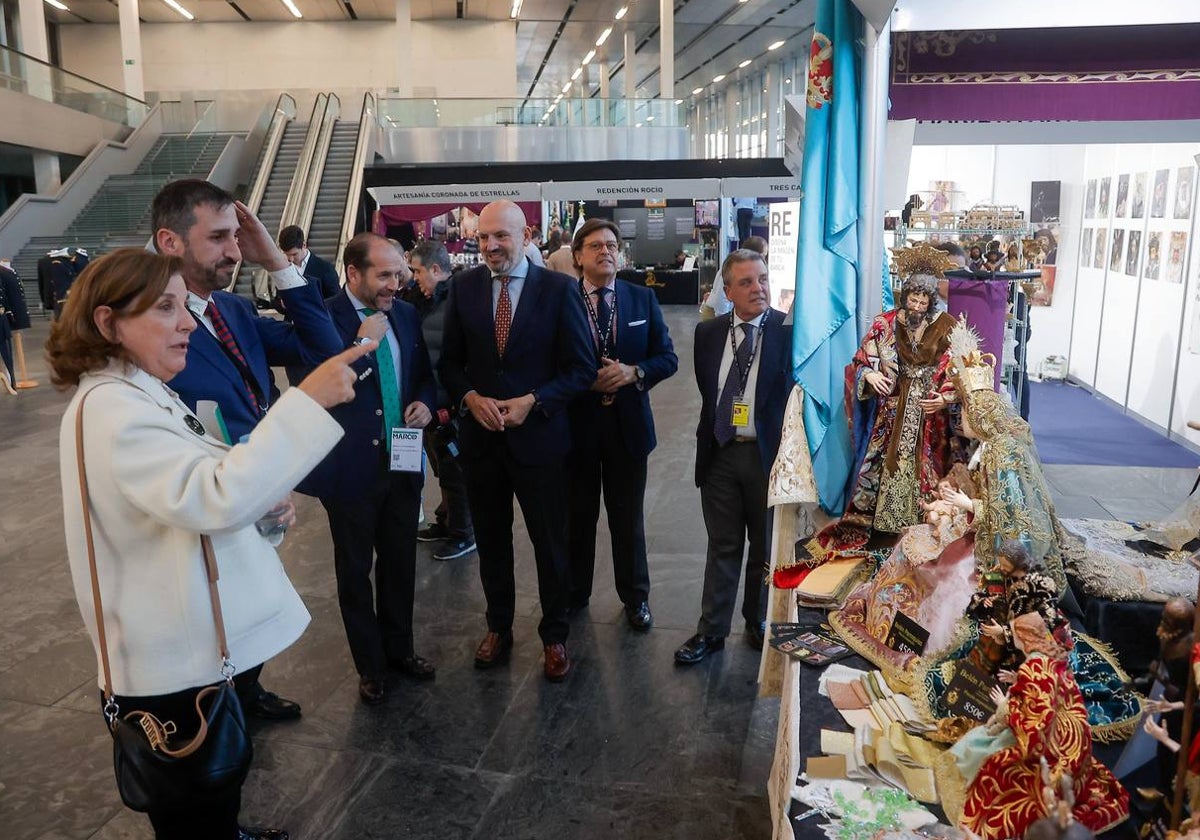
<point x="393" y="341"/>
<point x="743" y="432"/>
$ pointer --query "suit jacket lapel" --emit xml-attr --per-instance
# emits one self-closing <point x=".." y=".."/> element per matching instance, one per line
<point x="344" y="315"/>
<point x="626" y="311"/>
<point x="527" y="307"/>
<point x="771" y="343"/>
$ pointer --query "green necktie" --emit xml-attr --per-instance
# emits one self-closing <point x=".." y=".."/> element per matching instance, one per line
<point x="389" y="384"/>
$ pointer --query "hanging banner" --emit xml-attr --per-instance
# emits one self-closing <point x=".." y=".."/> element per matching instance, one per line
<point x="782" y="187"/>
<point x="466" y="193"/>
<point x="639" y="190"/>
<point x="783" y="232"/>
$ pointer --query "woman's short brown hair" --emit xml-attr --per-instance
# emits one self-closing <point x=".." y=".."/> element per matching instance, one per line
<point x="129" y="281"/>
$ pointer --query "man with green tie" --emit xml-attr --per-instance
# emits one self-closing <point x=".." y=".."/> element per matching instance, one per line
<point x="370" y="485"/>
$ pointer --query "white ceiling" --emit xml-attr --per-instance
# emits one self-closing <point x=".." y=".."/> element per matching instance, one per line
<point x="711" y="36"/>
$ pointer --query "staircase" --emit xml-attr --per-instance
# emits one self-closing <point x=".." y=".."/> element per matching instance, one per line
<point x="326" y="226"/>
<point x="270" y="211"/>
<point x="119" y="214"/>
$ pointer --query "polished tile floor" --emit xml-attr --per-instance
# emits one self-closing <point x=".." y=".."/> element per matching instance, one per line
<point x="629" y="747"/>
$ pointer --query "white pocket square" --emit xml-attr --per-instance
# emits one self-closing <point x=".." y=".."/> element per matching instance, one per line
<point x="637" y="323"/>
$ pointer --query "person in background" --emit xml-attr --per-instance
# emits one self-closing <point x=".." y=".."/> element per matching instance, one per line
<point x="756" y="244"/>
<point x="559" y="256"/>
<point x="451" y="529"/>
<point x="533" y="250"/>
<point x="744" y="392"/>
<point x="515" y="351"/>
<point x="612" y="429"/>
<point x="956" y="253"/>
<point x="229" y="358"/>
<point x="320" y="274"/>
<point x="158" y="479"/>
<point x="373" y="506"/>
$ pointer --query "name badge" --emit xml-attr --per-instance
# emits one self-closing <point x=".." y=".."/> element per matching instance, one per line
<point x="741" y="414"/>
<point x="407" y="453"/>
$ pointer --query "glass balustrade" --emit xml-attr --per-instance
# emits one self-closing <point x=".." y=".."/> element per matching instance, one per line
<point x="457" y="113"/>
<point x="24" y="74"/>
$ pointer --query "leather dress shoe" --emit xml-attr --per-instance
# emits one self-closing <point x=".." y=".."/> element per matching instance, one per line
<point x="638" y="616"/>
<point x="696" y="648"/>
<point x="493" y="650"/>
<point x="254" y="833"/>
<point x="270" y="706"/>
<point x="754" y="635"/>
<point x="370" y="689"/>
<point x="558" y="664"/>
<point x="417" y="667"/>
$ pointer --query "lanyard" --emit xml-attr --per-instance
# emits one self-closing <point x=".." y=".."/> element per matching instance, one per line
<point x="744" y="375"/>
<point x="604" y="335"/>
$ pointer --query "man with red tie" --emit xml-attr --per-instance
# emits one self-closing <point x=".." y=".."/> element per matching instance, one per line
<point x="229" y="357"/>
<point x="516" y="349"/>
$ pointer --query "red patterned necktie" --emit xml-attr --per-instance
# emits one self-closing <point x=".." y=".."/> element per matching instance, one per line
<point x="225" y="336"/>
<point x="503" y="316"/>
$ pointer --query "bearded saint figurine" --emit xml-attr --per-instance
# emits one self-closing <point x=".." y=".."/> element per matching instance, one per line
<point x="896" y="399"/>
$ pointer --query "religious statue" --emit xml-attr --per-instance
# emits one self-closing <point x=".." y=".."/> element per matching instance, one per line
<point x="895" y="400"/>
<point x="1045" y="712"/>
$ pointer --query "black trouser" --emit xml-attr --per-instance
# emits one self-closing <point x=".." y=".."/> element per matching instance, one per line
<point x="734" y="500"/>
<point x="209" y="819"/>
<point x="601" y="461"/>
<point x="377" y="529"/>
<point x="452" y="513"/>
<point x="492" y="482"/>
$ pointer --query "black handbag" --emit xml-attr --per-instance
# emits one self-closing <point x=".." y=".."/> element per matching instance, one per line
<point x="153" y="774"/>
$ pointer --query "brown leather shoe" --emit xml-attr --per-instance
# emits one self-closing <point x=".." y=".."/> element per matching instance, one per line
<point x="370" y="690"/>
<point x="558" y="664"/>
<point x="493" y="650"/>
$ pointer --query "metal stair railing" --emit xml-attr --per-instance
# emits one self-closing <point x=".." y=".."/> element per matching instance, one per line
<point x="366" y="135"/>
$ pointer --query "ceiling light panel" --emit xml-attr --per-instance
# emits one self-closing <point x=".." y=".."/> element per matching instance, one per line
<point x="291" y="7"/>
<point x="184" y="12"/>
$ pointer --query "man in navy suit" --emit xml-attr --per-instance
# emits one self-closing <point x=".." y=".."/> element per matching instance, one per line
<point x="373" y="508"/>
<point x="612" y="429"/>
<point x="319" y="273"/>
<point x="515" y="351"/>
<point x="229" y="357"/>
<point x="743" y="366"/>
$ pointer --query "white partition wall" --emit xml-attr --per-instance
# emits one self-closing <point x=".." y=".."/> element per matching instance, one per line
<point x="1187" y="377"/>
<point x="1092" y="266"/>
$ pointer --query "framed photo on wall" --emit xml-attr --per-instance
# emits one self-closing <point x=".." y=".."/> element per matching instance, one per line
<point x="1175" y="253"/>
<point x="1134" y="255"/>
<point x="1158" y="199"/>
<point x="1085" y="250"/>
<point x="1118" y="247"/>
<point x="1102" y="206"/>
<point x="1089" y="203"/>
<point x="1185" y="189"/>
<point x="1101" y="248"/>
<point x="1122" y="196"/>
<point x="1137" y="207"/>
<point x="1153" y="255"/>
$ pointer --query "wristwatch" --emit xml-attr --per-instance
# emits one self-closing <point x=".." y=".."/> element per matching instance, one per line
<point x="360" y="341"/>
<point x="640" y="381"/>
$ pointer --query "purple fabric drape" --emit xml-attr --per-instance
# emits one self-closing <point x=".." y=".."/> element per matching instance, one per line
<point x="984" y="303"/>
<point x="398" y="213"/>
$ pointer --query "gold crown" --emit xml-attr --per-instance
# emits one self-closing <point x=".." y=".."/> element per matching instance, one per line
<point x="972" y="370"/>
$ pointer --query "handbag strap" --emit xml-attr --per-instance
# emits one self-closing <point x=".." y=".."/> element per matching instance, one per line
<point x="210" y="568"/>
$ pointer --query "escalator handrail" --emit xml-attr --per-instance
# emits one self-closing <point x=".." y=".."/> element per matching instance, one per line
<point x="312" y="186"/>
<point x="366" y="124"/>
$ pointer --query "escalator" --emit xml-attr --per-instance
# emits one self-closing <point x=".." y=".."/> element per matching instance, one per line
<point x="325" y="228"/>
<point x="279" y="182"/>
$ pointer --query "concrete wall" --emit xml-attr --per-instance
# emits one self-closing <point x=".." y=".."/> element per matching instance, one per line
<point x="450" y="58"/>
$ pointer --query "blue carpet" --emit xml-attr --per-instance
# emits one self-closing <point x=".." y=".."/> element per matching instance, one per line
<point x="1070" y="426"/>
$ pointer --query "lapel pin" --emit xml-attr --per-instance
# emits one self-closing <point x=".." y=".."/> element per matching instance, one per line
<point x="364" y="374"/>
<point x="193" y="424"/>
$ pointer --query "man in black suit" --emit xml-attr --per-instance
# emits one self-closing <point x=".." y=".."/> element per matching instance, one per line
<point x="612" y="429"/>
<point x="516" y="349"/>
<point x="316" y="271"/>
<point x="743" y="366"/>
<point x="372" y="507"/>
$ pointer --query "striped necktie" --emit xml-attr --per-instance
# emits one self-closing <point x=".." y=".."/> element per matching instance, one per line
<point x="225" y="336"/>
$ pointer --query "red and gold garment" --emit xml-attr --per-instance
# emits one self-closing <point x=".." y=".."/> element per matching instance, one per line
<point x="1047" y="716"/>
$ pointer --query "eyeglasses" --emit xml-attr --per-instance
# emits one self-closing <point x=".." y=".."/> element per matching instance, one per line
<point x="597" y="247"/>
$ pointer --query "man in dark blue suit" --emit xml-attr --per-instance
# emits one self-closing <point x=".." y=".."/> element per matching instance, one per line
<point x="229" y="357"/>
<point x="743" y="366"/>
<point x="373" y="508"/>
<point x="515" y="351"/>
<point x="612" y="429"/>
<point x="319" y="273"/>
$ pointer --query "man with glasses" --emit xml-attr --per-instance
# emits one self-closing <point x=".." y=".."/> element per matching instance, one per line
<point x="612" y="428"/>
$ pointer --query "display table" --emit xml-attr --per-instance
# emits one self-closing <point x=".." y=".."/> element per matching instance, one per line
<point x="669" y="285"/>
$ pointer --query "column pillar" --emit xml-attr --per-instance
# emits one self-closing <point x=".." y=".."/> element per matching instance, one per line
<point x="33" y="42"/>
<point x="404" y="71"/>
<point x="131" y="49"/>
<point x="630" y="76"/>
<point x="604" y="79"/>
<point x="772" y="101"/>
<point x="666" y="52"/>
<point x="873" y="98"/>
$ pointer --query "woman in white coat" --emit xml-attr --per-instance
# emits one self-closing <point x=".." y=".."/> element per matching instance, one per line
<point x="157" y="481"/>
